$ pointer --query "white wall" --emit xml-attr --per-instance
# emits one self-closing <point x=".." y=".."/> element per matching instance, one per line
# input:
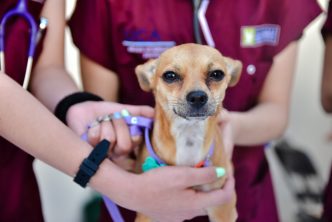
<point x="62" y="199"/>
<point x="308" y="125"/>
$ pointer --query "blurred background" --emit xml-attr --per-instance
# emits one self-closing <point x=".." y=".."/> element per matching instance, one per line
<point x="63" y="200"/>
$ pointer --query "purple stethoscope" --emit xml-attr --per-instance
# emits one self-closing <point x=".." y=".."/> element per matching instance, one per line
<point x="35" y="34"/>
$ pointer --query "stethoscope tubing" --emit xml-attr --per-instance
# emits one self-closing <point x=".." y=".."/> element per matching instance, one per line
<point x="200" y="22"/>
<point x="20" y="10"/>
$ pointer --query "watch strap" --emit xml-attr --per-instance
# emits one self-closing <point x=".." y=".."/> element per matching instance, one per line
<point x="90" y="165"/>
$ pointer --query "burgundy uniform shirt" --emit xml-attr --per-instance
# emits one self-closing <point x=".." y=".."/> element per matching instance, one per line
<point x="119" y="35"/>
<point x="19" y="195"/>
<point x="327" y="215"/>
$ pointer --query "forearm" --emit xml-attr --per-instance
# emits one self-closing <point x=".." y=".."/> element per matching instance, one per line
<point x="50" y="81"/>
<point x="99" y="80"/>
<point x="326" y="99"/>
<point x="326" y="88"/>
<point x="29" y="125"/>
<point x="51" y="84"/>
<point x="269" y="118"/>
<point x="259" y="125"/>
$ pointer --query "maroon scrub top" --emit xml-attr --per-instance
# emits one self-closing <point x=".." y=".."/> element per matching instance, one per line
<point x="19" y="195"/>
<point x="327" y="214"/>
<point x="119" y="35"/>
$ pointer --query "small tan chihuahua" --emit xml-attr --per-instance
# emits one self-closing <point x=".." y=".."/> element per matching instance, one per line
<point x="189" y="83"/>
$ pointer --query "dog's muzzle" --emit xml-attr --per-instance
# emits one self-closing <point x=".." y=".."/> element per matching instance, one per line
<point x="195" y="106"/>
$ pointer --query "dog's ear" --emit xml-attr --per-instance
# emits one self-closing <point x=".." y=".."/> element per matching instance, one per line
<point x="145" y="74"/>
<point x="234" y="68"/>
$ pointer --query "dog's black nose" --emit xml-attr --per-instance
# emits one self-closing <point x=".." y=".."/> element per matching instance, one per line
<point x="197" y="99"/>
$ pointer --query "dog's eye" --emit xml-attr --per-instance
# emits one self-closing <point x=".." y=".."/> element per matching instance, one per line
<point x="216" y="75"/>
<point x="170" y="77"/>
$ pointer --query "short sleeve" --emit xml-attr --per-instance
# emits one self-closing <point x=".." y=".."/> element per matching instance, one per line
<point x="327" y="27"/>
<point x="295" y="17"/>
<point x="90" y="32"/>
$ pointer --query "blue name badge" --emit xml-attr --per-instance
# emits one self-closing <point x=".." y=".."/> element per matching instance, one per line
<point x="255" y="36"/>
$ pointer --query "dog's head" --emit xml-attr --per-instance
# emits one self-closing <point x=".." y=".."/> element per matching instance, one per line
<point x="189" y="80"/>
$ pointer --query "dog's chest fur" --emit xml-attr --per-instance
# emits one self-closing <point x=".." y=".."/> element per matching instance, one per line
<point x="189" y="141"/>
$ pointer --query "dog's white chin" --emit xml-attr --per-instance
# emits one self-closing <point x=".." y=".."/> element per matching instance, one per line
<point x="188" y="117"/>
<point x="193" y="118"/>
<point x="198" y="118"/>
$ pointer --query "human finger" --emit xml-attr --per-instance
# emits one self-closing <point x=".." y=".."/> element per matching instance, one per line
<point x="124" y="162"/>
<point x="136" y="140"/>
<point x="218" y="196"/>
<point x="107" y="132"/>
<point x="146" y="111"/>
<point x="110" y="107"/>
<point x="124" y="143"/>
<point x="77" y="118"/>
<point x="189" y="177"/>
<point x="223" y="116"/>
<point x="228" y="140"/>
<point x="93" y="133"/>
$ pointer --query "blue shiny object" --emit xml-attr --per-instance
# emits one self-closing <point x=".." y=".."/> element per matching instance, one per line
<point x="151" y="163"/>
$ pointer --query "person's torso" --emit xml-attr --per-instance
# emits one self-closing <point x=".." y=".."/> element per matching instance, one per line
<point x="244" y="30"/>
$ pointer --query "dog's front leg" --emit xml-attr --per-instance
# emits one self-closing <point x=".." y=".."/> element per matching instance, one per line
<point x="142" y="218"/>
<point x="224" y="213"/>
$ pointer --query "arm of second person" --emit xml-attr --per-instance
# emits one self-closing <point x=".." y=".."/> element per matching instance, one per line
<point x="50" y="81"/>
<point x="99" y="80"/>
<point x="268" y="119"/>
<point x="326" y="88"/>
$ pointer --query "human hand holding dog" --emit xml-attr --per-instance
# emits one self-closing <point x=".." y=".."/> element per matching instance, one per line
<point x="116" y="131"/>
<point x="153" y="193"/>
<point x="166" y="195"/>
